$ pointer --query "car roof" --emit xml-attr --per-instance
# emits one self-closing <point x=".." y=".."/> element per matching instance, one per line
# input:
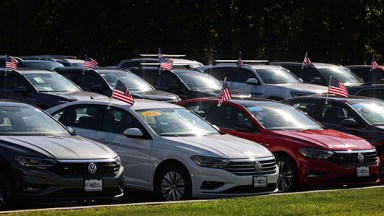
<point x="98" y="69"/>
<point x="316" y="64"/>
<point x="138" y="105"/>
<point x="243" y="102"/>
<point x="12" y="103"/>
<point x="30" y="71"/>
<point x="351" y="98"/>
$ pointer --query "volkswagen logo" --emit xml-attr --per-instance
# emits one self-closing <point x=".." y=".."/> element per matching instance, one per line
<point x="92" y="168"/>
<point x="360" y="158"/>
<point x="258" y="166"/>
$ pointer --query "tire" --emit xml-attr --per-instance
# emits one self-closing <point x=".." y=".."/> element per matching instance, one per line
<point x="5" y="189"/>
<point x="288" y="175"/>
<point x="173" y="183"/>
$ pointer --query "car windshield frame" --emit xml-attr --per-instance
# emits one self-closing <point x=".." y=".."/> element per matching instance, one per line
<point x="370" y="111"/>
<point x="132" y="81"/>
<point x="200" y="81"/>
<point x="28" y="121"/>
<point x="282" y="117"/>
<point x="277" y="76"/>
<point x="51" y="82"/>
<point x="176" y="122"/>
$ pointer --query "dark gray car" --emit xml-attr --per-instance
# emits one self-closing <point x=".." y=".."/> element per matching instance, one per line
<point x="42" y="88"/>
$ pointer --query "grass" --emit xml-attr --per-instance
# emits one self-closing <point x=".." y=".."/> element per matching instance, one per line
<point x="365" y="201"/>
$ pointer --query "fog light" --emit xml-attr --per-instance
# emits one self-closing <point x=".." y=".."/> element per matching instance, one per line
<point x="210" y="185"/>
<point x="313" y="176"/>
<point x="31" y="189"/>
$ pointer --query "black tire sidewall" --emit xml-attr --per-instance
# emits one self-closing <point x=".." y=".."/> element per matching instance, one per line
<point x="292" y="165"/>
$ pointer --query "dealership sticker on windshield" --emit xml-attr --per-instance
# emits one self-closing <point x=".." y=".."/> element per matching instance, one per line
<point x="259" y="181"/>
<point x="151" y="113"/>
<point x="93" y="185"/>
<point x="255" y="109"/>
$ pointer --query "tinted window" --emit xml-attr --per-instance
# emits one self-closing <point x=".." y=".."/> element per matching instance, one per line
<point x="376" y="93"/>
<point x="277" y="76"/>
<point x="342" y="74"/>
<point x="228" y="116"/>
<point x="79" y="116"/>
<point x="10" y="82"/>
<point x="200" y="81"/>
<point x="220" y="73"/>
<point x="117" y="120"/>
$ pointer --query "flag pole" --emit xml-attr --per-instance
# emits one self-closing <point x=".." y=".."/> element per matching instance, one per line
<point x="110" y="98"/>
<point x="326" y="99"/>
<point x="302" y="65"/>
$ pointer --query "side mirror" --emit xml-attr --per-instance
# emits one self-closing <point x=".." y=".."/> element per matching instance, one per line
<point x="71" y="130"/>
<point x="349" y="122"/>
<point x="97" y="88"/>
<point x="133" y="133"/>
<point x="20" y="89"/>
<point x="317" y="80"/>
<point x="252" y="81"/>
<point x="217" y="128"/>
<point x="244" y="127"/>
<point x="201" y="114"/>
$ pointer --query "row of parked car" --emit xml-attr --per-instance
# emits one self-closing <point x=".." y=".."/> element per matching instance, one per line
<point x="249" y="145"/>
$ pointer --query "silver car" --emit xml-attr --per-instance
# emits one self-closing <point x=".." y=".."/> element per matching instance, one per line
<point x="263" y="81"/>
<point x="168" y="149"/>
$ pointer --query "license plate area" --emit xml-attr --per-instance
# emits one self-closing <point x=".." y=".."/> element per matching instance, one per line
<point x="93" y="185"/>
<point x="362" y="171"/>
<point x="260" y="181"/>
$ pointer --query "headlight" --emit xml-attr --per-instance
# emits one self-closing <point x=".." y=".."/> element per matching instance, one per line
<point x="37" y="163"/>
<point x="210" y="161"/>
<point x="316" y="153"/>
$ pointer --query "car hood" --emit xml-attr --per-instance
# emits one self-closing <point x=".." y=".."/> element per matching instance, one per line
<point x="66" y="147"/>
<point x="226" y="146"/>
<point x="329" y="139"/>
<point x="82" y="95"/>
<point x="305" y="87"/>
<point x="156" y="95"/>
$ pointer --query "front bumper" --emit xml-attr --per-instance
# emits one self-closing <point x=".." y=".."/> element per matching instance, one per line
<point x="46" y="185"/>
<point x="317" y="172"/>
<point x="210" y="183"/>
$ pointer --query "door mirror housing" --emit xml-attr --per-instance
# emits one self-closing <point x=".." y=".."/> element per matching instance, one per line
<point x="349" y="122"/>
<point x="71" y="130"/>
<point x="133" y="133"/>
<point x="244" y="127"/>
<point x="317" y="80"/>
<point x="252" y="81"/>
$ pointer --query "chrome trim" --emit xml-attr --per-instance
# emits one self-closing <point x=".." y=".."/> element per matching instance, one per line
<point x="357" y="151"/>
<point x="88" y="161"/>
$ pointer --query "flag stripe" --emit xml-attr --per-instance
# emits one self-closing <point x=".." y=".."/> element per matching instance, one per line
<point x="122" y="93"/>
<point x="337" y="88"/>
<point x="225" y="94"/>
<point x="90" y="63"/>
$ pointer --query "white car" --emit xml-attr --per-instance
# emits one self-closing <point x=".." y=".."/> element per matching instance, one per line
<point x="166" y="148"/>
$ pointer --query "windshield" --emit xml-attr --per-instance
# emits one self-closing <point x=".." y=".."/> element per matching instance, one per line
<point x="277" y="76"/>
<point x="200" y="81"/>
<point x="176" y="122"/>
<point x="342" y="74"/>
<point x="132" y="81"/>
<point x="51" y="82"/>
<point x="48" y="65"/>
<point x="282" y="117"/>
<point x="28" y="121"/>
<point x="372" y="112"/>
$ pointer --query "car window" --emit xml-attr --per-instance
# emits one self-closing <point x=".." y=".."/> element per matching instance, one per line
<point x="51" y="82"/>
<point x="308" y="73"/>
<point x="282" y="117"/>
<point x="91" y="80"/>
<point x="167" y="79"/>
<point x="342" y="74"/>
<point x="176" y="122"/>
<point x="117" y="120"/>
<point x="84" y="116"/>
<point x="334" y="114"/>
<point x="132" y="81"/>
<point x="372" y="112"/>
<point x="376" y="93"/>
<point x="10" y="82"/>
<point x="227" y="116"/>
<point x="277" y="76"/>
<point x="28" y="121"/>
<point x="220" y="73"/>
<point x="200" y="81"/>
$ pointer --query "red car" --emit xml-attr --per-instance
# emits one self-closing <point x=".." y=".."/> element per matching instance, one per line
<point x="307" y="154"/>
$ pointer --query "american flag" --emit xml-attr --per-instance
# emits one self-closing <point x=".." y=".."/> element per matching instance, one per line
<point x="90" y="62"/>
<point x="159" y="54"/>
<point x="375" y="65"/>
<point x="225" y="94"/>
<point x="122" y="93"/>
<point x="337" y="88"/>
<point x="166" y="64"/>
<point x="10" y="62"/>
<point x="240" y="62"/>
<point x="307" y="62"/>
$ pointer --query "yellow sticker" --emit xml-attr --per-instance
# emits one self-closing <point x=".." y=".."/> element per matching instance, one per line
<point x="151" y="113"/>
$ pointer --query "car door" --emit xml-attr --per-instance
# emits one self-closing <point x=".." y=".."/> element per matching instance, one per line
<point x="16" y="87"/>
<point x="134" y="152"/>
<point x="334" y="113"/>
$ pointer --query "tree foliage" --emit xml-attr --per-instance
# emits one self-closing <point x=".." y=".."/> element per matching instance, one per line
<point x="334" y="31"/>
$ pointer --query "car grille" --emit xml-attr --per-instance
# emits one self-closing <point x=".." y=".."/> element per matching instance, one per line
<point x="352" y="157"/>
<point x="80" y="169"/>
<point x="248" y="166"/>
